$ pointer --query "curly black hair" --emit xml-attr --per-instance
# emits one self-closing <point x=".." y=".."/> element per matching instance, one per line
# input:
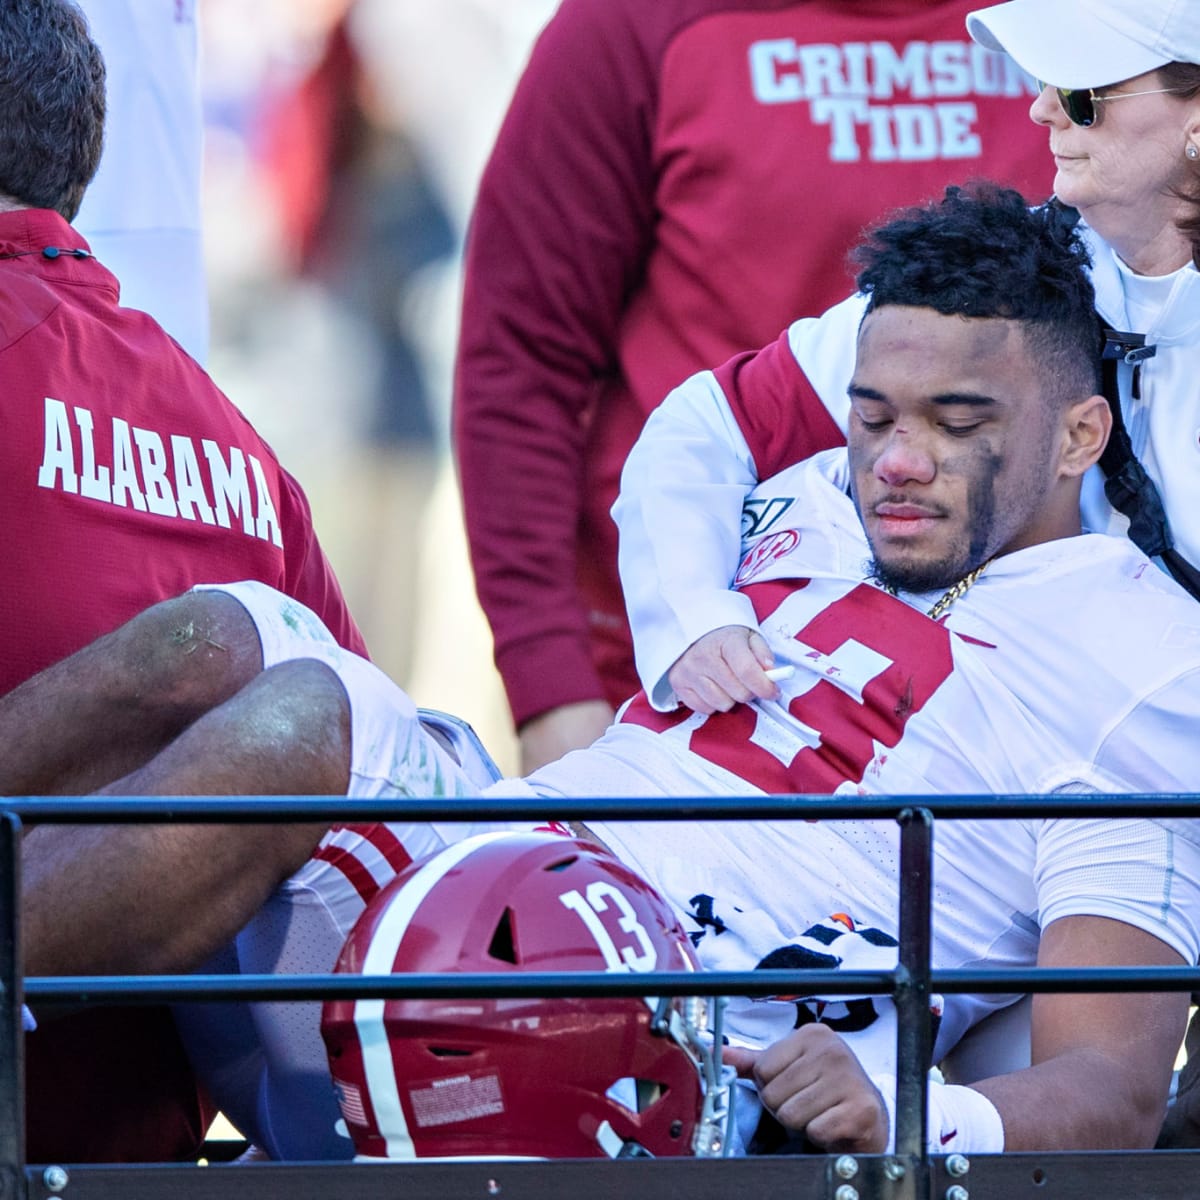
<point x="982" y="251"/>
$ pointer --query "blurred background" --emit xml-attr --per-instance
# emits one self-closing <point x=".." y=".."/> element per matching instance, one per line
<point x="344" y="141"/>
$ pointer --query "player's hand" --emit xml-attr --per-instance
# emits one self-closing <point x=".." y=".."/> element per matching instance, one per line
<point x="723" y="668"/>
<point x="568" y="727"/>
<point x="812" y="1082"/>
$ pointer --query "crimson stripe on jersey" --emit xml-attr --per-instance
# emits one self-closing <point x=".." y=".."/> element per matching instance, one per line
<point x="359" y="876"/>
<point x="387" y="843"/>
<point x="778" y="411"/>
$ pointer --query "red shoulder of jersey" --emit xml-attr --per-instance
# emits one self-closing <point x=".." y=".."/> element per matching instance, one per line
<point x="779" y="412"/>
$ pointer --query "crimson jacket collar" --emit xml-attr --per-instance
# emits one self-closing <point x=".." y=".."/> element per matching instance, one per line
<point x="26" y="234"/>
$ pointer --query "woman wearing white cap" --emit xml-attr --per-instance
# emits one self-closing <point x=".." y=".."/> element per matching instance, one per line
<point x="1121" y="103"/>
<point x="1133" y="172"/>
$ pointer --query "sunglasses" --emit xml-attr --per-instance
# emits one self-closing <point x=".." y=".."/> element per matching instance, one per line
<point x="1080" y="103"/>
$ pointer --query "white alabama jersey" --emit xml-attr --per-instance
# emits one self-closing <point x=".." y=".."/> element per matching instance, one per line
<point x="1069" y="666"/>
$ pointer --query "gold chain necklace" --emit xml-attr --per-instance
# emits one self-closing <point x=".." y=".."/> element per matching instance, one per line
<point x="952" y="593"/>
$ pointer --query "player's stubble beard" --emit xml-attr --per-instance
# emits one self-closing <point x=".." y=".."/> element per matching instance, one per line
<point x="975" y="543"/>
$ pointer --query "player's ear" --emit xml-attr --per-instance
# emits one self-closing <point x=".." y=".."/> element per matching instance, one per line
<point x="1086" y="426"/>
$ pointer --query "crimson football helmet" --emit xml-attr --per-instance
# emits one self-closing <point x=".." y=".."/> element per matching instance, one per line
<point x="524" y="1078"/>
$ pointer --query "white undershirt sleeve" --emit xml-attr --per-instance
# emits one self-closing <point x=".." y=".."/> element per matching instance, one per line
<point x="679" y="515"/>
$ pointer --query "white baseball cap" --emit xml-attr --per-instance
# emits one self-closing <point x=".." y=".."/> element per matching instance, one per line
<point x="1090" y="43"/>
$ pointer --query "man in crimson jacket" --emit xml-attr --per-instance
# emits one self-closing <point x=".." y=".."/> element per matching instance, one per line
<point x="125" y="476"/>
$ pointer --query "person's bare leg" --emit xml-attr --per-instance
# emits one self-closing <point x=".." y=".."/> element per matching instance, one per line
<point x="111" y="706"/>
<point x="161" y="898"/>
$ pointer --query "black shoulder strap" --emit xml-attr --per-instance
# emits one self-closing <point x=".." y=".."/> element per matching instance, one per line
<point x="1128" y="488"/>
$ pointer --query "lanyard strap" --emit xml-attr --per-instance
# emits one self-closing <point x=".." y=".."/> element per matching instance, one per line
<point x="1129" y="489"/>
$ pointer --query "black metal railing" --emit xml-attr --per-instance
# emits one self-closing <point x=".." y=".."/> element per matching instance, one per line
<point x="908" y="1174"/>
